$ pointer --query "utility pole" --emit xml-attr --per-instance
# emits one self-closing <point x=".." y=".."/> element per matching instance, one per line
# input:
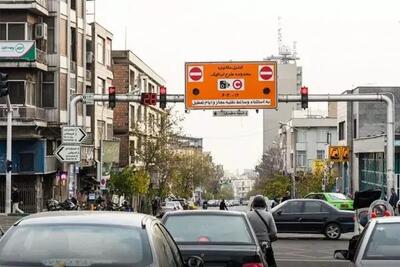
<point x="9" y="156"/>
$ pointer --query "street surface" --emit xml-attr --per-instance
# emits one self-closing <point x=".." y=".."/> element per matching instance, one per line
<point x="305" y="250"/>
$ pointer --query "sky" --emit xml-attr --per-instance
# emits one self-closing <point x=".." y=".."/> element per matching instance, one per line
<point x="342" y="44"/>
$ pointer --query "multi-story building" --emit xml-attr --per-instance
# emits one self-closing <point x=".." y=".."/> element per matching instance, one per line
<point x="43" y="51"/>
<point x="242" y="185"/>
<point x="133" y="122"/>
<point x="188" y="145"/>
<point x="304" y="138"/>
<point x="362" y="127"/>
<point x="289" y="82"/>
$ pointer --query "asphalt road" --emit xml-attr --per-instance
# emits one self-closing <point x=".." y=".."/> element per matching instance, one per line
<point x="296" y="250"/>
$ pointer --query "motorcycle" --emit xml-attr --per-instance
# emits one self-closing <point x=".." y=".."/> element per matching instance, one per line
<point x="55" y="205"/>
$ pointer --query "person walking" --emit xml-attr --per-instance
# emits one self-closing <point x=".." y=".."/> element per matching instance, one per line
<point x="264" y="226"/>
<point x="286" y="197"/>
<point x="16" y="200"/>
<point x="393" y="198"/>
<point x="154" y="206"/>
<point x="222" y="205"/>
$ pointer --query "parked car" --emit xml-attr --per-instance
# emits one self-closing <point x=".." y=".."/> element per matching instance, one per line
<point x="235" y="203"/>
<point x="89" y="239"/>
<point x="312" y="216"/>
<point x="223" y="238"/>
<point x="168" y="207"/>
<point x="183" y="202"/>
<point x="378" y="245"/>
<point x="338" y="200"/>
<point x="213" y="203"/>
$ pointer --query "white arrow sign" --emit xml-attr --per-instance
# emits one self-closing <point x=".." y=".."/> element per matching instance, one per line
<point x="73" y="135"/>
<point x="68" y="153"/>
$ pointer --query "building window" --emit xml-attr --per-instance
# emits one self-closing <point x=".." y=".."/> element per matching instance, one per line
<point x="100" y="50"/>
<point x="132" y="151"/>
<point x="131" y="80"/>
<point x="322" y="136"/>
<point x="17" y="92"/>
<point x="301" y="136"/>
<point x="320" y="154"/>
<point x="341" y="130"/>
<point x="151" y="88"/>
<point x="109" y="131"/>
<point x="73" y="4"/>
<point x="355" y="128"/>
<point x="301" y="158"/>
<point x="132" y="117"/>
<point x="139" y="113"/>
<point x="12" y="31"/>
<point x="51" y="49"/>
<point x="101" y="130"/>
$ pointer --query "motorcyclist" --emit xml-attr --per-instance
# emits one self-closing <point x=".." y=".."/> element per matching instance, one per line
<point x="205" y="205"/>
<point x="264" y="226"/>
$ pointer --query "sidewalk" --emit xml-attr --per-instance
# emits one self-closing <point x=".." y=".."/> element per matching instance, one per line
<point x="7" y="221"/>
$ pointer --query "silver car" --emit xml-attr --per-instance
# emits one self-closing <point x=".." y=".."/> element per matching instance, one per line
<point x="378" y="245"/>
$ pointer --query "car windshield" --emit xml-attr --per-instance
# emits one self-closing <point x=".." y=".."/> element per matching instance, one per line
<point x="338" y="196"/>
<point x="209" y="229"/>
<point x="384" y="243"/>
<point x="75" y="245"/>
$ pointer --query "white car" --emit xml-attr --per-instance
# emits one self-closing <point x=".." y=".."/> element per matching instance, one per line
<point x="177" y="205"/>
<point x="378" y="245"/>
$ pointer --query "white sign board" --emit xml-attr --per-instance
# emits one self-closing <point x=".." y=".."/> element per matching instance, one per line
<point x="68" y="153"/>
<point x="88" y="98"/>
<point x="22" y="50"/>
<point x="73" y="135"/>
<point x="230" y="113"/>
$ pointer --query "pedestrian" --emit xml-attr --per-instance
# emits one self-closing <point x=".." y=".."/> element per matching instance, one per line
<point x="154" y="206"/>
<point x="222" y="205"/>
<point x="16" y="200"/>
<point x="286" y="197"/>
<point x="264" y="226"/>
<point x="205" y="205"/>
<point x="393" y="198"/>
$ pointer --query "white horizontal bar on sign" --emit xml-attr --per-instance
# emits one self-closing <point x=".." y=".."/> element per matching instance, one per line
<point x="231" y="102"/>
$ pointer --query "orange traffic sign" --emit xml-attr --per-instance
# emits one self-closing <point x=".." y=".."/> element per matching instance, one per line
<point x="231" y="85"/>
<point x="339" y="153"/>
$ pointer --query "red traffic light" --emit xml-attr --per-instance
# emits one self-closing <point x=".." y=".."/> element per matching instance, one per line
<point x="304" y="90"/>
<point x="111" y="90"/>
<point x="163" y="90"/>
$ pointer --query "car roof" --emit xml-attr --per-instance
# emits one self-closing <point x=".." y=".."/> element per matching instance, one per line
<point x="88" y="217"/>
<point x="391" y="219"/>
<point x="205" y="212"/>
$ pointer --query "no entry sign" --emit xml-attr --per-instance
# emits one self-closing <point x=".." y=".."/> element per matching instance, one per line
<point x="196" y="74"/>
<point x="265" y="73"/>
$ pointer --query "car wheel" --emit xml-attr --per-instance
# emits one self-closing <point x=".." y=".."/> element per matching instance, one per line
<point x="332" y="231"/>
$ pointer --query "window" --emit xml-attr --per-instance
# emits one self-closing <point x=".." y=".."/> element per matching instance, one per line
<point x="100" y="89"/>
<point x="220" y="229"/>
<point x="73" y="4"/>
<point x="100" y="50"/>
<point x="73" y="45"/>
<point x="108" y="53"/>
<point x="151" y="88"/>
<point x="301" y="158"/>
<point x="132" y="150"/>
<point x="30" y="89"/>
<point x="384" y="243"/>
<point x="12" y="31"/>
<point x="131" y="80"/>
<point x="320" y="154"/>
<point x="51" y="49"/>
<point x="341" y="130"/>
<point x="293" y="207"/>
<point x="17" y="92"/>
<point x="322" y="136"/>
<point x="312" y="207"/>
<point x="109" y="131"/>
<point x="173" y="246"/>
<point x="139" y="113"/>
<point x="301" y="136"/>
<point x="355" y="128"/>
<point x="132" y="117"/>
<point x="100" y="130"/>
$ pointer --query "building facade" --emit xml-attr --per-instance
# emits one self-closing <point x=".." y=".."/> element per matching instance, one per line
<point x="304" y="139"/>
<point x="362" y="127"/>
<point x="133" y="122"/>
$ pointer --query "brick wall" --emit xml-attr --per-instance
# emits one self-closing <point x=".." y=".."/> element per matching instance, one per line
<point x="121" y="111"/>
<point x="123" y="149"/>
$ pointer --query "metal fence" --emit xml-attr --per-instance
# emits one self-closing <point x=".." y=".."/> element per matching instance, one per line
<point x="27" y="193"/>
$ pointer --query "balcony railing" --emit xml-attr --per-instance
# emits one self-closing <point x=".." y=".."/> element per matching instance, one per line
<point x="24" y="113"/>
<point x="43" y="3"/>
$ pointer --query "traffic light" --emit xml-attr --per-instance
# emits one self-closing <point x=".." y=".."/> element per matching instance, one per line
<point x="334" y="153"/>
<point x="163" y="97"/>
<point x="345" y="153"/>
<point x="4" y="90"/>
<point x="8" y="165"/>
<point x="111" y="97"/>
<point x="304" y="97"/>
<point x="148" y="99"/>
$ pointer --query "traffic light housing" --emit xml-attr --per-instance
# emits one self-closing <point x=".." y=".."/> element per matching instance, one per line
<point x="4" y="90"/>
<point x="148" y="99"/>
<point x="304" y="97"/>
<point x="163" y="97"/>
<point x="8" y="165"/>
<point x="111" y="97"/>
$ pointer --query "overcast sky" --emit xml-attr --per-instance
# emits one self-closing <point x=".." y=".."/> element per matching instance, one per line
<point x="342" y="44"/>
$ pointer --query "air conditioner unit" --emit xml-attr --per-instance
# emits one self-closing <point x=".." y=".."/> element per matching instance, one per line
<point x="41" y="31"/>
<point x="89" y="57"/>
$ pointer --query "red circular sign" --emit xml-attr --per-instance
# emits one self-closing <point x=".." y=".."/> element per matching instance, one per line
<point x="195" y="73"/>
<point x="237" y="84"/>
<point x="266" y="73"/>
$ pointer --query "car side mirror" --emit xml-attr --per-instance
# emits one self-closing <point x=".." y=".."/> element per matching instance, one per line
<point x="279" y="212"/>
<point x="341" y="254"/>
<point x="195" y="261"/>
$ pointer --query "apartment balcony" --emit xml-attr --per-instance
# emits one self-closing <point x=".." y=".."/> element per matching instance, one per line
<point x="24" y="115"/>
<point x="22" y="54"/>
<point x="39" y="7"/>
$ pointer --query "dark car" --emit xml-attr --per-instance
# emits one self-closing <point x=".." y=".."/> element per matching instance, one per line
<point x="312" y="217"/>
<point x="221" y="238"/>
<point x="89" y="239"/>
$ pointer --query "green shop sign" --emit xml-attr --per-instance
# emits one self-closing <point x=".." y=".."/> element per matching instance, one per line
<point x="18" y="50"/>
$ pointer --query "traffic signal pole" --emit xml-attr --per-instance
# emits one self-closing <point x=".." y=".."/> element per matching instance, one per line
<point x="8" y="156"/>
<point x="180" y="98"/>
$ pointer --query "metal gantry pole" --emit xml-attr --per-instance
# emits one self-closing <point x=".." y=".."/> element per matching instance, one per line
<point x="9" y="155"/>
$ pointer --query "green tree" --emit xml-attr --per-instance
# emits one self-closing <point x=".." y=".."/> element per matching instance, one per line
<point x="129" y="182"/>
